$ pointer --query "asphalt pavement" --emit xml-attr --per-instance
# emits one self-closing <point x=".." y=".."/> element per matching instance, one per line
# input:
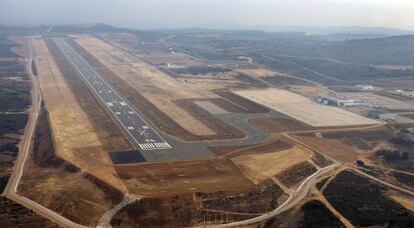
<point x="141" y="134"/>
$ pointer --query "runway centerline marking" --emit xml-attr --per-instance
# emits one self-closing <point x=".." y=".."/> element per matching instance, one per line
<point x="114" y="103"/>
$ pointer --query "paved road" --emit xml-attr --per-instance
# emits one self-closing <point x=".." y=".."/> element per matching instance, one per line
<point x="294" y="199"/>
<point x="140" y="133"/>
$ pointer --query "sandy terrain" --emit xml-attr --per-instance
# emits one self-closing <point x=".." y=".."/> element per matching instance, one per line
<point x="159" y="88"/>
<point x="304" y="109"/>
<point x="258" y="167"/>
<point x="74" y="137"/>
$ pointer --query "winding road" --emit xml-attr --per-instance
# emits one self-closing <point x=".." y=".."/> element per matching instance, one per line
<point x="11" y="189"/>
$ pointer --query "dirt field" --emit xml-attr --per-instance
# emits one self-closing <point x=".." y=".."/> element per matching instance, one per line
<point x="74" y="136"/>
<point x="182" y="211"/>
<point x="234" y="151"/>
<point x="335" y="149"/>
<point x="225" y="104"/>
<point x="258" y="167"/>
<point x="224" y="131"/>
<point x="278" y="125"/>
<point x="172" y="178"/>
<point x="304" y="109"/>
<point x="58" y="185"/>
<point x="159" y="88"/>
<point x="243" y="103"/>
<point x="163" y="121"/>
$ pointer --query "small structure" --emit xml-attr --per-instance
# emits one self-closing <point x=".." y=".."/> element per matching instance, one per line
<point x="365" y="87"/>
<point x="382" y="115"/>
<point x="334" y="101"/>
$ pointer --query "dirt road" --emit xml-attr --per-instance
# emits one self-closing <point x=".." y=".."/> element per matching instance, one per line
<point x="300" y="193"/>
<point x="11" y="190"/>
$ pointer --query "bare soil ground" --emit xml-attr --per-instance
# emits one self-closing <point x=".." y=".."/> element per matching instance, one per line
<point x="164" y="122"/>
<point x="223" y="130"/>
<point x="225" y="104"/>
<point x="176" y="211"/>
<point x="259" y="199"/>
<point x="380" y="133"/>
<point x="234" y="151"/>
<point x="109" y="134"/>
<point x="258" y="167"/>
<point x="279" y="125"/>
<point x="246" y="104"/>
<point x="169" y="178"/>
<point x="332" y="148"/>
<point x="159" y="88"/>
<point x="61" y="186"/>
<point x="74" y="136"/>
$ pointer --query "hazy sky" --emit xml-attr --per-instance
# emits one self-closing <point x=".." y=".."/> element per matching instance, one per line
<point x="210" y="13"/>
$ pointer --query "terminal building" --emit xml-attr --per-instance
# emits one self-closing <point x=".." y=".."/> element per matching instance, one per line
<point x="334" y="101"/>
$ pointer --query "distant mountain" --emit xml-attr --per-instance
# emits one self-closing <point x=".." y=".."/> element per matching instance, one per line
<point x="313" y="30"/>
<point x="98" y="27"/>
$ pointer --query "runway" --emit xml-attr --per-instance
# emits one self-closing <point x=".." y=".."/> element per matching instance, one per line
<point x="140" y="133"/>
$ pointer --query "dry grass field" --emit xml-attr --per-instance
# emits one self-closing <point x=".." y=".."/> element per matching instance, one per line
<point x="74" y="136"/>
<point x="259" y="167"/>
<point x="304" y="109"/>
<point x="159" y="88"/>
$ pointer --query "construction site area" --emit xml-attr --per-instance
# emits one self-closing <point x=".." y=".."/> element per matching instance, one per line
<point x="131" y="133"/>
